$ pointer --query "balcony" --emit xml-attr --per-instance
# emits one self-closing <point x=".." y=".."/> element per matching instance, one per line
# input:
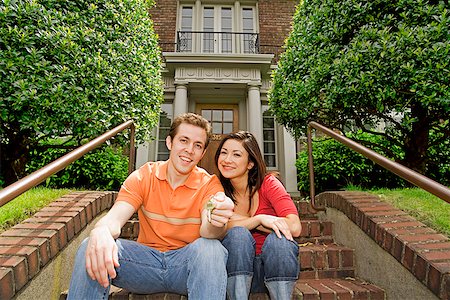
<point x="217" y="42"/>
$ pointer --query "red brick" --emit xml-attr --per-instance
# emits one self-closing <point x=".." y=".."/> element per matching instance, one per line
<point x="408" y="258"/>
<point x="307" y="291"/>
<point x="320" y="259"/>
<point x="87" y="204"/>
<point x="408" y="224"/>
<point x="347" y="258"/>
<point x="437" y="255"/>
<point x="327" y="228"/>
<point x="420" y="268"/>
<point x="314" y="229"/>
<point x="305" y="258"/>
<point x="307" y="274"/>
<point x="422" y="238"/>
<point x="19" y="266"/>
<point x="341" y="293"/>
<point x="435" y="278"/>
<point x="50" y="235"/>
<point x="72" y="214"/>
<point x="67" y="221"/>
<point x="30" y="253"/>
<point x="431" y="246"/>
<point x="7" y="290"/>
<point x="333" y="258"/>
<point x="325" y="293"/>
<point x="40" y="243"/>
<point x="358" y="291"/>
<point x="59" y="227"/>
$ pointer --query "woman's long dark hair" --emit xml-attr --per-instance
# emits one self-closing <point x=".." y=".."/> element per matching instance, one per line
<point x="255" y="175"/>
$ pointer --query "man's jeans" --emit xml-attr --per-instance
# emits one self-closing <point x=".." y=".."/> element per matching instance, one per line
<point x="276" y="268"/>
<point x="197" y="270"/>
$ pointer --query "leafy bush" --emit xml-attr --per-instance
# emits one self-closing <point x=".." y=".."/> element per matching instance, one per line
<point x="336" y="166"/>
<point x="74" y="68"/>
<point x="102" y="169"/>
<point x="359" y="64"/>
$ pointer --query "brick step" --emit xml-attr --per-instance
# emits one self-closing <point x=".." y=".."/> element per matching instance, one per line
<point x="304" y="208"/>
<point x="313" y="230"/>
<point x="326" y="261"/>
<point x="317" y="289"/>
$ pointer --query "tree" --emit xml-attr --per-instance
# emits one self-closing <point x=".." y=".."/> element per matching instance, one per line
<point x="356" y="65"/>
<point x="71" y="70"/>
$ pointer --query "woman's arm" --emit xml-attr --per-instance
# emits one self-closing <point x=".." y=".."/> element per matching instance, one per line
<point x="289" y="226"/>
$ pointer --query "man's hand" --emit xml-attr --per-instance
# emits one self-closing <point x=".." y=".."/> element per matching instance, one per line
<point x="101" y="255"/>
<point x="222" y="211"/>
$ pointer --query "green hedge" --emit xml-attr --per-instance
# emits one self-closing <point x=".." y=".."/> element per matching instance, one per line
<point x="336" y="166"/>
<point x="102" y="169"/>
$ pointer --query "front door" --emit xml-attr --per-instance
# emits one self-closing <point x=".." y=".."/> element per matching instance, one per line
<point x="224" y="120"/>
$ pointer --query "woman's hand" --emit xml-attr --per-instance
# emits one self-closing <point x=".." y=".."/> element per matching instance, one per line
<point x="277" y="224"/>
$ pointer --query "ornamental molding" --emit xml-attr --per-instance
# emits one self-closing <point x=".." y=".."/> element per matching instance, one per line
<point x="217" y="75"/>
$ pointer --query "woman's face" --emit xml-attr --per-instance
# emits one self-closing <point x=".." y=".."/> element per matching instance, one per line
<point x="233" y="160"/>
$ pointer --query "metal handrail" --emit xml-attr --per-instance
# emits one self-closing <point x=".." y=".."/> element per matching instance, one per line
<point x="30" y="181"/>
<point x="413" y="177"/>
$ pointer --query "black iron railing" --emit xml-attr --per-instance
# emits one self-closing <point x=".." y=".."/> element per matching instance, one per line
<point x="217" y="42"/>
<point x="413" y="177"/>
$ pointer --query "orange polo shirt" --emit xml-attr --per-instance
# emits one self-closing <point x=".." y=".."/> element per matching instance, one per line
<point x="168" y="219"/>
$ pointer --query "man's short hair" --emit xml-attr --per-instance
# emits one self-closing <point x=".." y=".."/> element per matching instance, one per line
<point x="192" y="119"/>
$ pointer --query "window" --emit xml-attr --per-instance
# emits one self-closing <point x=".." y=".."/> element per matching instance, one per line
<point x="185" y="35"/>
<point x="211" y="28"/>
<point x="269" y="141"/>
<point x="165" y="120"/>
<point x="221" y="120"/>
<point x="248" y="29"/>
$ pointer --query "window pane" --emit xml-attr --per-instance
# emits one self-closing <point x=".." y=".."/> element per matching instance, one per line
<point x="208" y="19"/>
<point x="269" y="135"/>
<point x="227" y="128"/>
<point x="217" y="115"/>
<point x="247" y="19"/>
<point x="270" y="160"/>
<point x="268" y="123"/>
<point x="228" y="115"/>
<point x="217" y="128"/>
<point x="162" y="145"/>
<point x="163" y="156"/>
<point x="206" y="114"/>
<point x="226" y="19"/>
<point x="269" y="147"/>
<point x="186" y="19"/>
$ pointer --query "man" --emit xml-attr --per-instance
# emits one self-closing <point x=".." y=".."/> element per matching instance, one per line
<point x="177" y="248"/>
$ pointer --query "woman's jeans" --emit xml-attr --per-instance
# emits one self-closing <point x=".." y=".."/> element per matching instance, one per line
<point x="197" y="270"/>
<point x="276" y="268"/>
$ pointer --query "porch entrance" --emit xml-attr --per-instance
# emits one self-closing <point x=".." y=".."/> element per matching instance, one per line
<point x="224" y="120"/>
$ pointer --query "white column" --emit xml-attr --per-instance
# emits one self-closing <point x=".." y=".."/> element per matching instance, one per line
<point x="254" y="113"/>
<point x="289" y="156"/>
<point x="180" y="103"/>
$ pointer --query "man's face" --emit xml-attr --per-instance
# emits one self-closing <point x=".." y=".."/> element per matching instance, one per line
<point x="186" y="148"/>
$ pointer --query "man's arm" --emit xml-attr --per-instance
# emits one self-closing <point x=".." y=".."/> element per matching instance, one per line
<point x="216" y="226"/>
<point x="102" y="252"/>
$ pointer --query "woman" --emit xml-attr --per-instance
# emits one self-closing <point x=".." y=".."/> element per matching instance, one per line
<point x="261" y="249"/>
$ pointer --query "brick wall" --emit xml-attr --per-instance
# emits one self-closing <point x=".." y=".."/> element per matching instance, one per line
<point x="29" y="247"/>
<point x="275" y="23"/>
<point x="164" y="16"/>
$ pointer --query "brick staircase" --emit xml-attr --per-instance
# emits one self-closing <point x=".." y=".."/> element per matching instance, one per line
<point x="36" y="255"/>
<point x="327" y="270"/>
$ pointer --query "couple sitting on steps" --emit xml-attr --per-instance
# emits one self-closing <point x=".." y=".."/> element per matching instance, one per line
<point x="199" y="236"/>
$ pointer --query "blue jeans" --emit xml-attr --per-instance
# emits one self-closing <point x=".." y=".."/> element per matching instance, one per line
<point x="275" y="270"/>
<point x="197" y="270"/>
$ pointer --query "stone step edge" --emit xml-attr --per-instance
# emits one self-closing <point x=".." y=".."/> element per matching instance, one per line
<point x="420" y="249"/>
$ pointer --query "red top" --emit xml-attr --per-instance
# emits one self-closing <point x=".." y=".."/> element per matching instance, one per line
<point x="275" y="201"/>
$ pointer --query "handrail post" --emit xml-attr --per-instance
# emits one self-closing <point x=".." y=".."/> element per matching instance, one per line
<point x="132" y="156"/>
<point x="312" y="189"/>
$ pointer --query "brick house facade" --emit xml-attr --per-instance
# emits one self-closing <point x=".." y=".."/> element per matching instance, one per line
<point x="218" y="58"/>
